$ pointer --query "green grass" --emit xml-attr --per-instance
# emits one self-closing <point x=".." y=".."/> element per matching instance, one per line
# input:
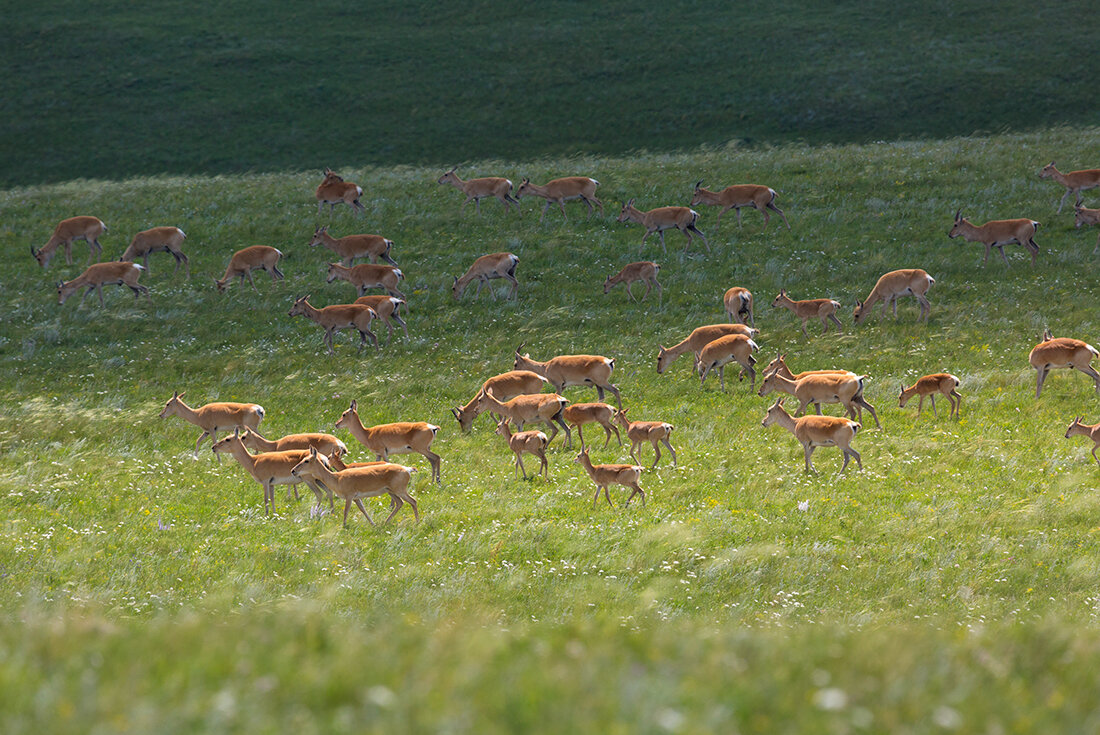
<point x="112" y="90"/>
<point x="950" y="584"/>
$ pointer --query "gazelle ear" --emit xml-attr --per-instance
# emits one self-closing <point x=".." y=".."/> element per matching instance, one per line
<point x="236" y="431"/>
<point x="958" y="215"/>
<point x="354" y="405"/>
<point x="313" y="452"/>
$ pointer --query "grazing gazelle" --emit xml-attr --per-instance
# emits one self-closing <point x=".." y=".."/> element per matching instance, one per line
<point x="892" y="286"/>
<point x="246" y="260"/>
<point x="930" y="385"/>
<point x="567" y="370"/>
<point x="1074" y="181"/>
<point x="214" y="417"/>
<point x="478" y="189"/>
<point x="402" y="437"/>
<point x="823" y="309"/>
<point x="98" y="275"/>
<point x="336" y="317"/>
<point x="696" y="341"/>
<point x="1086" y="216"/>
<point x="486" y="268"/>
<point x="645" y="270"/>
<point x="1062" y="352"/>
<point x="66" y="233"/>
<point x="998" y="233"/>
<point x="533" y="442"/>
<point x="333" y="190"/>
<point x="1091" y="431"/>
<point x="664" y="218"/>
<point x="760" y="198"/>
<point x="356" y="483"/>
<point x="561" y="191"/>
<point x="817" y="431"/>
<point x="654" y="432"/>
<point x="350" y="247"/>
<point x="158" y="240"/>
<point x="738" y="303"/>
<point x="627" y="475"/>
<point x="505" y="387"/>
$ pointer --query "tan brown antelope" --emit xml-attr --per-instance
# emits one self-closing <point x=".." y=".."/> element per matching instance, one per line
<point x="505" y="387"/>
<point x="98" y="275"/>
<point x="579" y="414"/>
<point x="998" y="233"/>
<point x="1086" y="216"/>
<point x="823" y="309"/>
<point x="351" y="247"/>
<point x="327" y="443"/>
<point x="336" y="317"/>
<point x="355" y="484"/>
<point x="892" y="286"/>
<point x="566" y="370"/>
<point x="1062" y="352"/>
<point x="478" y="189"/>
<point x="485" y="269"/>
<point x="268" y="468"/>
<point x="645" y="270"/>
<point x="653" y="432"/>
<point x="158" y="240"/>
<point x="214" y="417"/>
<point x="696" y="341"/>
<point x="246" y="260"/>
<point x="1091" y="431"/>
<point x="604" y="475"/>
<point x="528" y="408"/>
<point x="817" y="431"/>
<point x="66" y="233"/>
<point x="364" y="276"/>
<point x="562" y="191"/>
<point x="779" y="367"/>
<point x="664" y="218"/>
<point x="817" y="389"/>
<point x="333" y="190"/>
<point x="388" y="310"/>
<point x="760" y="198"/>
<point x="402" y="437"/>
<point x="531" y="442"/>
<point x="930" y="385"/>
<point x="738" y="303"/>
<point x="730" y="348"/>
<point x="1074" y="181"/>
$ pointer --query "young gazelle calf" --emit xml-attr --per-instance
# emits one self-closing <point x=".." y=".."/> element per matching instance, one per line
<point x="640" y="432"/>
<point x="579" y="414"/>
<point x="1074" y="181"/>
<point x="645" y="270"/>
<point x="327" y="443"/>
<point x="366" y="276"/>
<point x="823" y="309"/>
<point x="388" y="310"/>
<point x="531" y="442"/>
<point x="486" y="268"/>
<point x="246" y="260"/>
<point x="566" y="370"/>
<point x="664" y="218"/>
<point x="562" y="191"/>
<point x="268" y="468"/>
<point x="521" y="410"/>
<point x="98" y="275"/>
<point x="354" y="484"/>
<point x="214" y="417"/>
<point x="403" y="437"/>
<point x="333" y="190"/>
<point x="892" y="286"/>
<point x="505" y="387"/>
<point x="604" y="475"/>
<point x="760" y="198"/>
<point x="997" y="234"/>
<point x="696" y="341"/>
<point x="336" y="317"/>
<point x="817" y="389"/>
<point x="478" y="189"/>
<point x="930" y="385"/>
<point x="351" y="247"/>
<point x="731" y="348"/>
<point x="778" y="366"/>
<point x="66" y="233"/>
<point x="817" y="431"/>
<point x="158" y="240"/>
<point x="1086" y="216"/>
<point x="1091" y="431"/>
<point x="738" y="303"/>
<point x="1062" y="352"/>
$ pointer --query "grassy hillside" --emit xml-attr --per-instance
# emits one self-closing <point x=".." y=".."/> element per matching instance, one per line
<point x="110" y="90"/>
<point x="951" y="584"/>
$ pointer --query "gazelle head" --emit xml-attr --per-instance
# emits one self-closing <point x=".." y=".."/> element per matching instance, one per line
<point x="1048" y="171"/>
<point x="310" y="461"/>
<point x="347" y="418"/>
<point x="607" y="286"/>
<point x="523" y="361"/>
<point x="504" y="428"/>
<point x="582" y="458"/>
<point x="449" y="177"/>
<point x="1047" y="335"/>
<point x="957" y="228"/>
<point x="42" y="255"/>
<point x="775" y="365"/>
<point x="773" y="413"/>
<point x="173" y="405"/>
<point x="65" y="290"/>
<point x="317" y="239"/>
<point x="333" y="269"/>
<point x="779" y="298"/>
<point x="768" y="385"/>
<point x="860" y="312"/>
<point x="331" y="177"/>
<point x="697" y="194"/>
<point x="625" y="215"/>
<point x="1074" y="428"/>
<point x="299" y="307"/>
<point x="224" y="446"/>
<point x="456" y="292"/>
<point x="524" y="188"/>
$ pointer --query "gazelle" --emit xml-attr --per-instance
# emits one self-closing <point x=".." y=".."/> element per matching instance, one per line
<point x="327" y="443"/>
<point x="760" y="198"/>
<point x="388" y="310"/>
<point x="214" y="417"/>
<point x="579" y="414"/>
<point x="730" y="348"/>
<point x="817" y="431"/>
<point x="664" y="218"/>
<point x="738" y="303"/>
<point x="1091" y="431"/>
<point x="505" y="387"/>
<point x="817" y="389"/>
<point x="398" y="438"/>
<point x="354" y="484"/>
<point x="524" y="409"/>
<point x="158" y="240"/>
<point x="1074" y="181"/>
<point x="998" y="233"/>
<point x="823" y="309"/>
<point x="645" y="270"/>
<point x="562" y="191"/>
<point x="531" y="442"/>
<point x="246" y="260"/>
<point x="350" y="247"/>
<point x="1086" y="216"/>
<point x="336" y="317"/>
<point x="333" y="190"/>
<point x="604" y="475"/>
<point x="892" y="286"/>
<point x="640" y="432"/>
<point x="566" y="370"/>
<point x="366" y="276"/>
<point x="98" y="275"/>
<point x="779" y="367"/>
<point x="697" y="340"/>
<point x="930" y="385"/>
<point x="66" y="233"/>
<point x="1062" y="352"/>
<point x="486" y="268"/>
<point x="478" y="189"/>
<point x="268" y="468"/>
